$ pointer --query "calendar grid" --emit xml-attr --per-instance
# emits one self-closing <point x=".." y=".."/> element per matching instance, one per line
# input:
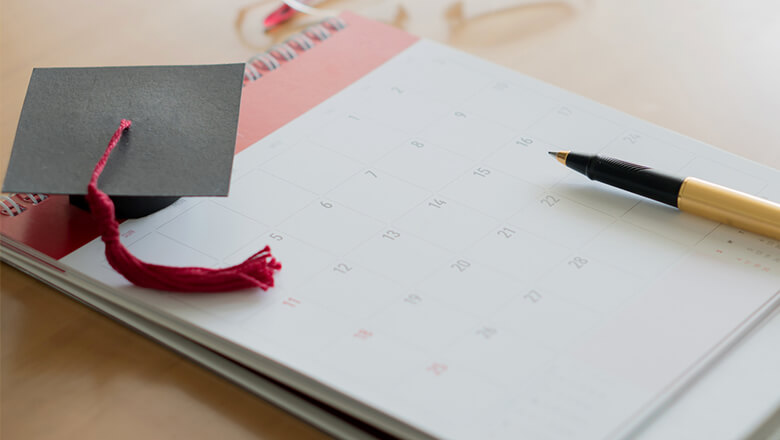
<point x="438" y="265"/>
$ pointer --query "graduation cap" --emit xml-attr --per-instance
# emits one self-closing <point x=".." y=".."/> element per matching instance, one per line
<point x="181" y="143"/>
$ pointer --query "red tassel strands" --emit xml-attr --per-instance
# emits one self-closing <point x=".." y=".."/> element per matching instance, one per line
<point x="255" y="271"/>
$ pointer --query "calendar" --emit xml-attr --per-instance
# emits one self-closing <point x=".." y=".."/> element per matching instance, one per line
<point x="442" y="273"/>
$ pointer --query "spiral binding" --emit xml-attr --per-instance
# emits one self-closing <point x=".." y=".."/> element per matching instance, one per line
<point x="11" y="208"/>
<point x="273" y="58"/>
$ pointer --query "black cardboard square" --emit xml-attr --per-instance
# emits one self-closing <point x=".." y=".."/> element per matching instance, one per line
<point x="181" y="143"/>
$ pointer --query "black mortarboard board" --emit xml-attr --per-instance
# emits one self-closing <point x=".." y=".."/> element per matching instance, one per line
<point x="181" y="142"/>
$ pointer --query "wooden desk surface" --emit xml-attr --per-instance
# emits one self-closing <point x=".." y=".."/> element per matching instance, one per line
<point x="706" y="69"/>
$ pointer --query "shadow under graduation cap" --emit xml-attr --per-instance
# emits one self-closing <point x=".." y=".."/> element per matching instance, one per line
<point x="181" y="143"/>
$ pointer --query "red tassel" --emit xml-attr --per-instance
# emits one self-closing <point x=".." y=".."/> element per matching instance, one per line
<point x="255" y="271"/>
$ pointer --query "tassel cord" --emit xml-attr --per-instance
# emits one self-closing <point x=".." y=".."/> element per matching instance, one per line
<point x="257" y="271"/>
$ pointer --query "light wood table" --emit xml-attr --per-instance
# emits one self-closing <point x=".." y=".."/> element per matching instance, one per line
<point x="709" y="70"/>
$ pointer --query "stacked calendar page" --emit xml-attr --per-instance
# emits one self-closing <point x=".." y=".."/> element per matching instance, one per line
<point x="442" y="275"/>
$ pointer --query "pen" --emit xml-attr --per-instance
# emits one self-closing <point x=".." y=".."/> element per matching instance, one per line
<point x="689" y="194"/>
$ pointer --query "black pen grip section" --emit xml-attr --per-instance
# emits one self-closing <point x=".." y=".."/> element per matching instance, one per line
<point x="637" y="179"/>
<point x="631" y="177"/>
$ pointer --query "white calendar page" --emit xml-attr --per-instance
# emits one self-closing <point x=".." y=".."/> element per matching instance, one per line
<point x="439" y="267"/>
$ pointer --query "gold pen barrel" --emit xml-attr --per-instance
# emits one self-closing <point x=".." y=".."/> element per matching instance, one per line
<point x="731" y="207"/>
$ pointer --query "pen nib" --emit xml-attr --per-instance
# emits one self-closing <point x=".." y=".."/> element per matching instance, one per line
<point x="559" y="155"/>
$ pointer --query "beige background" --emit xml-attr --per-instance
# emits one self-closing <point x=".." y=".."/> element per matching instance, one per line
<point x="708" y="69"/>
